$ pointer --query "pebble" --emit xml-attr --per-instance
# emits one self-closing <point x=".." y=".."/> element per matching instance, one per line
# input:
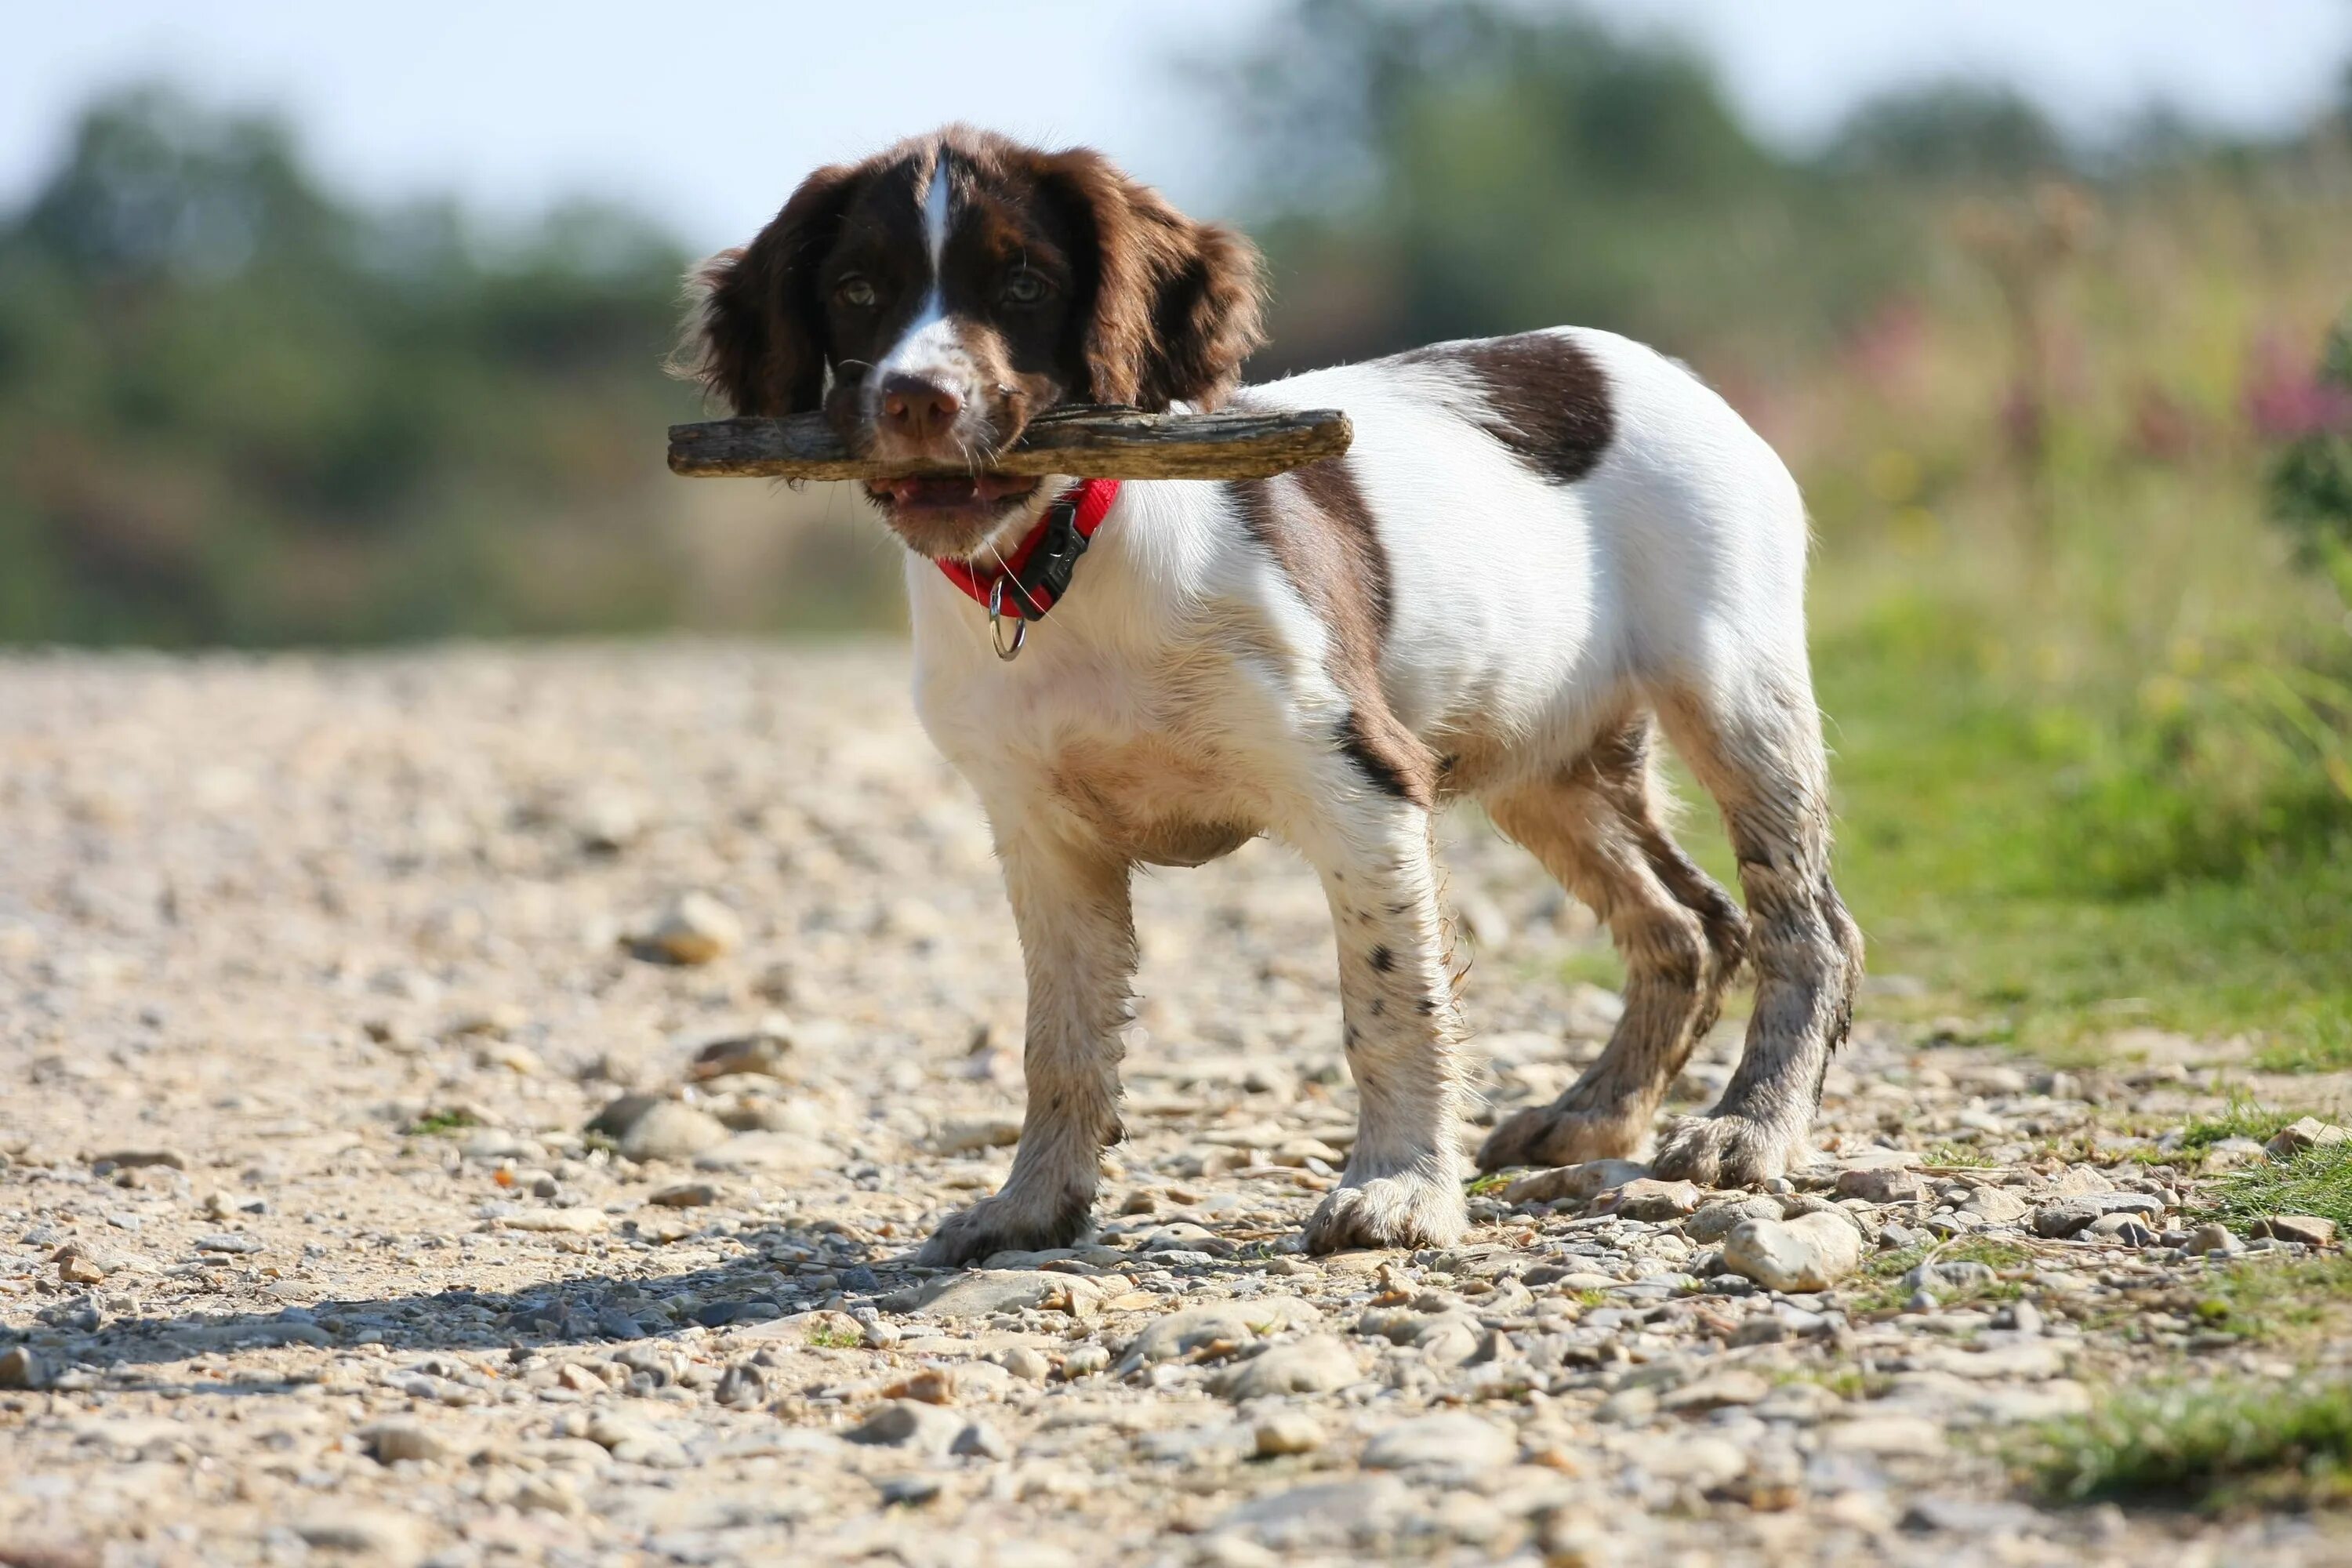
<point x="2309" y="1229"/>
<point x="909" y="1424"/>
<point x="1286" y="1432"/>
<point x="2309" y="1132"/>
<point x="694" y="929"/>
<point x="389" y="1442"/>
<point x="1458" y="1442"/>
<point x="685" y="1195"/>
<point x="669" y="1130"/>
<point x="1881" y="1184"/>
<point x="1579" y="1183"/>
<point x="1648" y="1200"/>
<point x="2071" y="1215"/>
<point x="1812" y="1252"/>
<point x="21" y="1367"/>
<point x="1315" y="1364"/>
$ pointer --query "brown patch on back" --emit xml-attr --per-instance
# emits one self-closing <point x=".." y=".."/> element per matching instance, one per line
<point x="1315" y="523"/>
<point x="1550" y="399"/>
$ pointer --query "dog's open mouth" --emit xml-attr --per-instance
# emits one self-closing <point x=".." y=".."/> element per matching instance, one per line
<point x="956" y="493"/>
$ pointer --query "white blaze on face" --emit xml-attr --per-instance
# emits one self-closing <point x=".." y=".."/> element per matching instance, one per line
<point x="929" y="349"/>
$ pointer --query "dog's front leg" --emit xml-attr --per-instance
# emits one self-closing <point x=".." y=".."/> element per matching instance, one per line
<point x="1077" y="945"/>
<point x="1402" y="1186"/>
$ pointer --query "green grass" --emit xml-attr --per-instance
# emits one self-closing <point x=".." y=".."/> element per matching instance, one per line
<point x="2316" y="1181"/>
<point x="1882" y="1289"/>
<point x="2214" y="1446"/>
<point x="1962" y="822"/>
<point x="836" y="1339"/>
<point x="2241" y="1119"/>
<point x="2272" y="1301"/>
<point x="437" y="1123"/>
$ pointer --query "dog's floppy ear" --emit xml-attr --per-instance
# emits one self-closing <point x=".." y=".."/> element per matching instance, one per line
<point x="1176" y="305"/>
<point x="756" y="335"/>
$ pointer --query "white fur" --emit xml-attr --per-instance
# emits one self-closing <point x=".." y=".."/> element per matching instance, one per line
<point x="1180" y="685"/>
<point x="1517" y="605"/>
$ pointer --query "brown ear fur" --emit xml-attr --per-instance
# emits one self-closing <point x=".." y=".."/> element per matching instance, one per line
<point x="756" y="338"/>
<point x="1178" y="305"/>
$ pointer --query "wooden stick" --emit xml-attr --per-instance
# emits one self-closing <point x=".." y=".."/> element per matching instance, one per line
<point x="1086" y="441"/>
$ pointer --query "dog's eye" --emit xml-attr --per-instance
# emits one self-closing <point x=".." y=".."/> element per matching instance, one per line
<point x="855" y="292"/>
<point x="1024" y="287"/>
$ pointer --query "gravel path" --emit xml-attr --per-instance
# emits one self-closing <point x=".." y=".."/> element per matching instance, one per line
<point x="474" y="1106"/>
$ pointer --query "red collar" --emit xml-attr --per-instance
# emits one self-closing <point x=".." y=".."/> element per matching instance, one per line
<point x="1037" y="574"/>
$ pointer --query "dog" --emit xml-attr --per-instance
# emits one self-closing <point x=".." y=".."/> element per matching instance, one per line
<point x="1540" y="552"/>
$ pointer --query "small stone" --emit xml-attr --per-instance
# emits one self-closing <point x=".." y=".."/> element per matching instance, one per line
<point x="2309" y="1229"/>
<point x="669" y="1130"/>
<point x="932" y="1385"/>
<point x="21" y="1367"/>
<point x="1995" y="1205"/>
<point x="1733" y="1386"/>
<point x="1287" y="1432"/>
<point x="972" y="1137"/>
<point x="558" y="1222"/>
<point x="2068" y="1216"/>
<point x="1812" y="1252"/>
<point x="228" y="1242"/>
<point x="1181" y="1333"/>
<point x="2123" y="1229"/>
<point x="909" y="1424"/>
<point x="390" y="1442"/>
<point x="2309" y="1133"/>
<point x="2019" y="1317"/>
<point x="2214" y="1237"/>
<point x="1713" y="1221"/>
<point x="1453" y="1440"/>
<point x="696" y="929"/>
<point x="685" y="1195"/>
<point x="388" y="1536"/>
<point x="76" y="1266"/>
<point x="1084" y="1362"/>
<point x="1628" y="1407"/>
<point x="1030" y="1366"/>
<point x="1881" y="1184"/>
<point x="980" y="1440"/>
<point x="1649" y="1200"/>
<point x="1316" y="1364"/>
<point x="141" y="1158"/>
<point x="742" y="1386"/>
<point x="982" y="1291"/>
<point x="1579" y="1182"/>
<point x="764" y="1051"/>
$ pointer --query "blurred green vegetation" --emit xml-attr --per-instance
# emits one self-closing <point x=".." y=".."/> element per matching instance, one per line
<point x="235" y="409"/>
<point x="2075" y="423"/>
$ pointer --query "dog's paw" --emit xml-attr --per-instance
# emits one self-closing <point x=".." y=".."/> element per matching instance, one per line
<point x="1009" y="1222"/>
<point x="1726" y="1151"/>
<point x="1549" y="1135"/>
<point x="1407" y="1209"/>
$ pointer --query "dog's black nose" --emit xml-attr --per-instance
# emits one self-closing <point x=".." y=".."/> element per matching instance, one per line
<point x="918" y="410"/>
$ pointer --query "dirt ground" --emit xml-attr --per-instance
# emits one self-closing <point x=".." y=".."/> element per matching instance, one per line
<point x="362" y="1199"/>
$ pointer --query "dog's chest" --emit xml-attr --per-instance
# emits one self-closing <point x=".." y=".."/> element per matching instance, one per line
<point x="1141" y="756"/>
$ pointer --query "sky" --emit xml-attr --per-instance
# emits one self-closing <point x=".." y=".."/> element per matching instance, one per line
<point x="705" y="116"/>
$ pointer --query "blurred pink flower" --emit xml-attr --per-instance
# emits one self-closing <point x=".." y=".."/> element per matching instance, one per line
<point x="2285" y="399"/>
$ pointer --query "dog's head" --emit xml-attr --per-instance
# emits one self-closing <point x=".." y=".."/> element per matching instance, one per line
<point x="936" y="298"/>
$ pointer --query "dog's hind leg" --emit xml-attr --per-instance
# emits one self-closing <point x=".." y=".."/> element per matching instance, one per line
<point x="1077" y="941"/>
<point x="1597" y="828"/>
<point x="1756" y="744"/>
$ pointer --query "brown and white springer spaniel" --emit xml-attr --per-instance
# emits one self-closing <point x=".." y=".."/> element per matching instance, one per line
<point x="1542" y="550"/>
